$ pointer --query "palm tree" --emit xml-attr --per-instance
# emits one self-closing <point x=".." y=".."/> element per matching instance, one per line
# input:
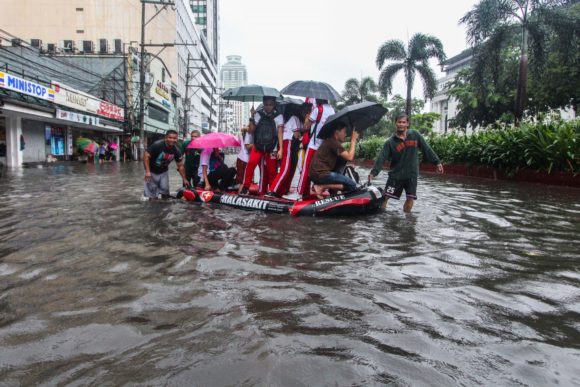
<point x="356" y="91"/>
<point x="491" y="24"/>
<point x="414" y="59"/>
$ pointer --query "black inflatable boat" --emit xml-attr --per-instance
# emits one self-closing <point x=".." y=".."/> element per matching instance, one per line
<point x="364" y="200"/>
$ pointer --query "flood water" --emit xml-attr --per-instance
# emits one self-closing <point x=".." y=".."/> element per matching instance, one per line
<point x="479" y="286"/>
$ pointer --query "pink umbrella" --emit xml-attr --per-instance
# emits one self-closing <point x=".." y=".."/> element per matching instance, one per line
<point x="90" y="148"/>
<point x="215" y="140"/>
<point x="113" y="146"/>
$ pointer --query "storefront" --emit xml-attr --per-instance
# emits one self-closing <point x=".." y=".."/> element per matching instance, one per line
<point x="32" y="130"/>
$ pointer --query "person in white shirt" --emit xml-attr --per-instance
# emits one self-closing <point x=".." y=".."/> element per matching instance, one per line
<point x="315" y="121"/>
<point x="213" y="171"/>
<point x="264" y="127"/>
<point x="288" y="139"/>
<point x="246" y="141"/>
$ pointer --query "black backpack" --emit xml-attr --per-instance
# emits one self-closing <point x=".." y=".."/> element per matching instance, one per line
<point x="266" y="134"/>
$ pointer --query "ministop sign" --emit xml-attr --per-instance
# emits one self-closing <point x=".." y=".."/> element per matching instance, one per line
<point x="14" y="83"/>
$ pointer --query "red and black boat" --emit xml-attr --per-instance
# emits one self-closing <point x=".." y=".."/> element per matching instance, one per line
<point x="364" y="200"/>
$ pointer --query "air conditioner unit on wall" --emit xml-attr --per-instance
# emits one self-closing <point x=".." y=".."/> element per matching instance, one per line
<point x="36" y="43"/>
<point x="88" y="47"/>
<point x="68" y="46"/>
<point x="103" y="46"/>
<point x="118" y="46"/>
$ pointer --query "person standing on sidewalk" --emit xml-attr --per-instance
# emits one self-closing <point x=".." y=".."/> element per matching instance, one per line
<point x="401" y="149"/>
<point x="156" y="161"/>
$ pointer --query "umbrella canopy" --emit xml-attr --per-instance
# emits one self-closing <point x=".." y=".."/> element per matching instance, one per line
<point x="285" y="103"/>
<point x="91" y="148"/>
<point x="250" y="93"/>
<point x="358" y="116"/>
<point x="113" y="146"/>
<point x="215" y="140"/>
<point x="314" y="89"/>
<point x="86" y="145"/>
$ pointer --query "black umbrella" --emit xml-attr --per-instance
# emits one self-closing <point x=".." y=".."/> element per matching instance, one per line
<point x="358" y="116"/>
<point x="314" y="89"/>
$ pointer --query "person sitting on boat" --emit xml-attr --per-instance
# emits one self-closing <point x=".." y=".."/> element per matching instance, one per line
<point x="331" y="158"/>
<point x="263" y="127"/>
<point x="213" y="171"/>
<point x="288" y="147"/>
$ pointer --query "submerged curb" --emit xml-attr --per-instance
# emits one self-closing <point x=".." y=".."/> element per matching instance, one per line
<point x="485" y="172"/>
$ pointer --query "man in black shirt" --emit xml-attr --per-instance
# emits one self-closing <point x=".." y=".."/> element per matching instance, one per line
<point x="157" y="158"/>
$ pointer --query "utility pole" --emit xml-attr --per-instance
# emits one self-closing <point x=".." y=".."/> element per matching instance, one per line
<point x="186" y="100"/>
<point x="165" y="3"/>
<point x="142" y="86"/>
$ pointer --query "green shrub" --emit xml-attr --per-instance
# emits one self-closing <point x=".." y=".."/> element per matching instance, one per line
<point x="548" y="146"/>
<point x="545" y="146"/>
<point x="369" y="148"/>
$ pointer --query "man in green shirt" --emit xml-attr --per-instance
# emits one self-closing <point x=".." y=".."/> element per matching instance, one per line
<point x="191" y="159"/>
<point x="401" y="149"/>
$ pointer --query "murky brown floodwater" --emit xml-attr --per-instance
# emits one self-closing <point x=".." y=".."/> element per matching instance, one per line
<point x="479" y="286"/>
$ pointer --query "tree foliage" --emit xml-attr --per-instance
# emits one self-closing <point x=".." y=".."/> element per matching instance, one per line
<point x="497" y="28"/>
<point x="356" y="91"/>
<point x="393" y="57"/>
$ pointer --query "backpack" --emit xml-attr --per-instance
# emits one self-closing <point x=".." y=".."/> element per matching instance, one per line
<point x="266" y="133"/>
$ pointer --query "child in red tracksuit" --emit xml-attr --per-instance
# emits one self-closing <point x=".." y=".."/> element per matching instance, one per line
<point x="264" y="126"/>
<point x="321" y="111"/>
<point x="289" y="138"/>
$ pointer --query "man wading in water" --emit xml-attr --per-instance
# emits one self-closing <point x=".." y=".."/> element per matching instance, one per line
<point x="401" y="149"/>
<point x="156" y="162"/>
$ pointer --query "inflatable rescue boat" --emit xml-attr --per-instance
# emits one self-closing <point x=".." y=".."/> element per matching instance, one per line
<point x="363" y="200"/>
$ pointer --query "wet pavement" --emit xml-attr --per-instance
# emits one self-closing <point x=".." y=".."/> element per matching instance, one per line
<point x="479" y="286"/>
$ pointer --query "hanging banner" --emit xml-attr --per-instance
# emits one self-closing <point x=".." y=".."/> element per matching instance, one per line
<point x="11" y="82"/>
<point x="67" y="96"/>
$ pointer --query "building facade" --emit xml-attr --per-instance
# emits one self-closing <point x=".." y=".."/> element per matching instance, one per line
<point x="234" y="74"/>
<point x="442" y="103"/>
<point x="47" y="104"/>
<point x="185" y="42"/>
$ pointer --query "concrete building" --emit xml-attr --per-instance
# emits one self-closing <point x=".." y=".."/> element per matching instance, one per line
<point x="234" y="74"/>
<point x="442" y="103"/>
<point x="107" y="27"/>
<point x="47" y="103"/>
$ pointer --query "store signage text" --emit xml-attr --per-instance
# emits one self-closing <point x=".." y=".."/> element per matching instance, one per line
<point x="69" y="97"/>
<point x="20" y="85"/>
<point x="162" y="90"/>
<point x="77" y="117"/>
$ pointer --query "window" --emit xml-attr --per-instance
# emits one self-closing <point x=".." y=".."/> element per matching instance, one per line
<point x="162" y="75"/>
<point x="80" y="31"/>
<point x="201" y="20"/>
<point x="80" y="9"/>
<point x="157" y="114"/>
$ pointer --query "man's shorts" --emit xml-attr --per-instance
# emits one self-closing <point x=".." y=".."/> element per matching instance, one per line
<point x="159" y="185"/>
<point x="395" y="187"/>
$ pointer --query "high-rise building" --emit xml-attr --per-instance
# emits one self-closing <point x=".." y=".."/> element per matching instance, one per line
<point x="186" y="42"/>
<point x="234" y="74"/>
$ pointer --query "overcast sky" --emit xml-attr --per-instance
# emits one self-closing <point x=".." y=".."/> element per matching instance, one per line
<point x="331" y="41"/>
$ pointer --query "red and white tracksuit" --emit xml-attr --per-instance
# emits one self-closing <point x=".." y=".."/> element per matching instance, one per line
<point x="281" y="184"/>
<point x="318" y="117"/>
<point x="266" y="160"/>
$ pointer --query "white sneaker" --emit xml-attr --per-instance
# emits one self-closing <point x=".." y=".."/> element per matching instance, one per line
<point x="293" y="196"/>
